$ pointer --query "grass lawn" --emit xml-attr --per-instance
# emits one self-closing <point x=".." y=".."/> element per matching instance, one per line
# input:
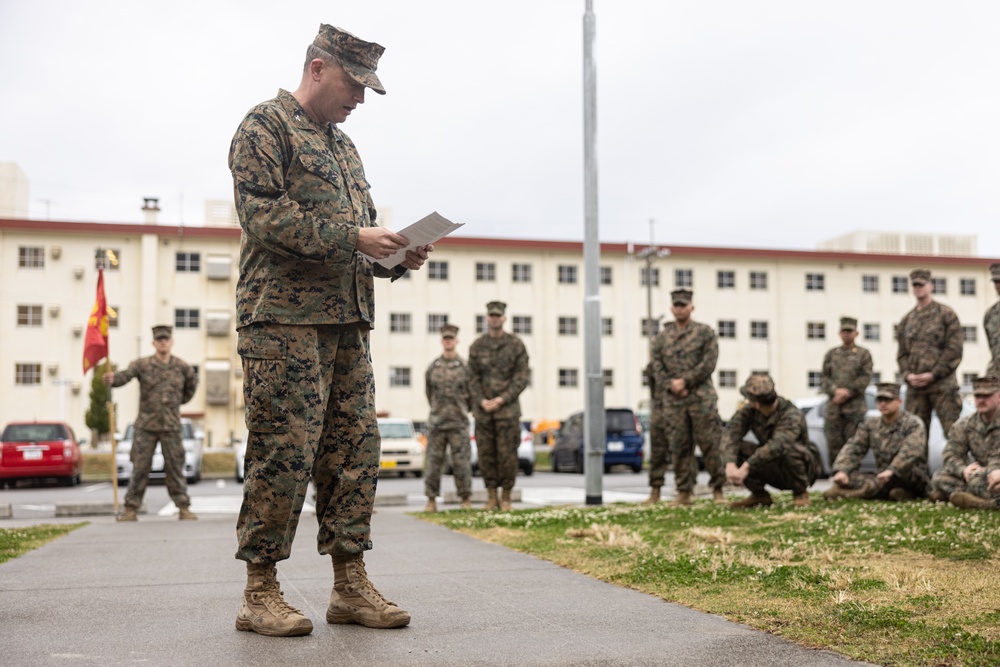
<point x="891" y="583"/>
<point x="17" y="541"/>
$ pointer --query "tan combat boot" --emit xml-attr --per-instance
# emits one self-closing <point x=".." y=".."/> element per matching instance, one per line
<point x="836" y="491"/>
<point x="491" y="500"/>
<point x="505" y="500"/>
<point x="431" y="505"/>
<point x="185" y="514"/>
<point x="718" y="497"/>
<point x="899" y="494"/>
<point x="801" y="500"/>
<point x="128" y="515"/>
<point x="264" y="611"/>
<point x="970" y="501"/>
<point x="683" y="499"/>
<point x="938" y="496"/>
<point x="654" y="496"/>
<point x="466" y="503"/>
<point x="752" y="501"/>
<point x="355" y="600"/>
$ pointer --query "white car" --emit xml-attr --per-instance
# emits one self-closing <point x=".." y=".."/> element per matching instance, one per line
<point x="402" y="452"/>
<point x="194" y="447"/>
<point x="241" y="454"/>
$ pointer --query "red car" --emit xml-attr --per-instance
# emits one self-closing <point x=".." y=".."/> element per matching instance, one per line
<point x="39" y="450"/>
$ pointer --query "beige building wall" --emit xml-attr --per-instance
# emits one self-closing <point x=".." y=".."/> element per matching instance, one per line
<point x="147" y="288"/>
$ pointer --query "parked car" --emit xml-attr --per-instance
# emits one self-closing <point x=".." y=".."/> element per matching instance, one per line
<point x="39" y="450"/>
<point x="241" y="453"/>
<point x="623" y="443"/>
<point x="402" y="451"/>
<point x="194" y="450"/>
<point x="814" y="408"/>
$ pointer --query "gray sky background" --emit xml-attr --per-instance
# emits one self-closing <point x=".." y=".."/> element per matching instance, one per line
<point x="775" y="123"/>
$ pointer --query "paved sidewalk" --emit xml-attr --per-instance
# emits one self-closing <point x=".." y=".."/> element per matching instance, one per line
<point x="165" y="592"/>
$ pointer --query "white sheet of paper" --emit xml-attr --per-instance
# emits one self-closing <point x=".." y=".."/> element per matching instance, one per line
<point x="428" y="229"/>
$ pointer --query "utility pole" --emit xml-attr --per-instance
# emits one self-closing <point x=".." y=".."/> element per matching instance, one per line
<point x="650" y="254"/>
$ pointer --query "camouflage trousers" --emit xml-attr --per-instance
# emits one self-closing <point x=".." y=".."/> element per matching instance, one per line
<point x="993" y="368"/>
<point x="795" y="471"/>
<point x="688" y="424"/>
<point x="143" y="447"/>
<point x="916" y="483"/>
<point x="496" y="442"/>
<point x="840" y="423"/>
<point x="310" y="411"/>
<point x="438" y="441"/>
<point x="976" y="485"/>
<point x="942" y="398"/>
<point x="659" y="448"/>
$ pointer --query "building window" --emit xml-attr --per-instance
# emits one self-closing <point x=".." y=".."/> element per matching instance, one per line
<point x="816" y="330"/>
<point x="567" y="326"/>
<point x="609" y="377"/>
<point x="399" y="323"/>
<point x="399" y="376"/>
<point x="569" y="377"/>
<point x="813" y="379"/>
<point x="114" y="312"/>
<point x="649" y="327"/>
<point x="31" y="257"/>
<point x="521" y="273"/>
<point x="727" y="328"/>
<point x="110" y="261"/>
<point x="758" y="280"/>
<point x="481" y="327"/>
<point x="815" y="282"/>
<point x="683" y="278"/>
<point x="644" y="277"/>
<point x="727" y="379"/>
<point x="969" y="334"/>
<point x="437" y="270"/>
<point x="869" y="283"/>
<point x="435" y="322"/>
<point x="29" y="316"/>
<point x="187" y="262"/>
<point x="876" y="377"/>
<point x="900" y="285"/>
<point x="605" y="275"/>
<point x="873" y="332"/>
<point x="967" y="286"/>
<point x="26" y="374"/>
<point x="522" y="324"/>
<point x="940" y="285"/>
<point x="725" y="279"/>
<point x="758" y="329"/>
<point x="567" y="274"/>
<point x="967" y="379"/>
<point x="486" y="272"/>
<point x="607" y="328"/>
<point x="187" y="318"/>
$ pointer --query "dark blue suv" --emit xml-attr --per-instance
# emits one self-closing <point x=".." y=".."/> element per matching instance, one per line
<point x="622" y="446"/>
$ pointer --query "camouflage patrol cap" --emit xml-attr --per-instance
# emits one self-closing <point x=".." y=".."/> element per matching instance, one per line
<point x="848" y="324"/>
<point x="759" y="387"/>
<point x="496" y="308"/>
<point x="995" y="272"/>
<point x="449" y="331"/>
<point x="888" y="390"/>
<point x="162" y="331"/>
<point x="985" y="386"/>
<point x="682" y="296"/>
<point x="920" y="276"/>
<point x="358" y="57"/>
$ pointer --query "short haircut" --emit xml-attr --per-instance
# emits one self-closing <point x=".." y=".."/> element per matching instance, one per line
<point x="314" y="52"/>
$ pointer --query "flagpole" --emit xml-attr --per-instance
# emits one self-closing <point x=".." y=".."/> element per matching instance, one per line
<point x="114" y="441"/>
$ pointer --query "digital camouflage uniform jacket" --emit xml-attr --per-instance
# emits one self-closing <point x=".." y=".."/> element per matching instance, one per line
<point x="689" y="353"/>
<point x="778" y="433"/>
<point x="991" y="322"/>
<point x="498" y="367"/>
<point x="900" y="446"/>
<point x="163" y="389"/>
<point x="930" y="340"/>
<point x="971" y="435"/>
<point x="849" y="368"/>
<point x="446" y="384"/>
<point x="302" y="195"/>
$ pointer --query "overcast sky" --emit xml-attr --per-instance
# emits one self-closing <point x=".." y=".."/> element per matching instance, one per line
<point x="775" y="123"/>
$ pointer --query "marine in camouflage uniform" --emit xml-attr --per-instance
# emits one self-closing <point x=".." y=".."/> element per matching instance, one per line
<point x="684" y="355"/>
<point x="970" y="472"/>
<point x="446" y="384"/>
<point x="165" y="384"/>
<point x="847" y="370"/>
<point x="498" y="373"/>
<point x="991" y="323"/>
<point x="782" y="456"/>
<point x="305" y="305"/>
<point x="930" y="348"/>
<point x="897" y="440"/>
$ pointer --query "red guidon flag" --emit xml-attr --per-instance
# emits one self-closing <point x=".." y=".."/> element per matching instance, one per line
<point x="95" y="343"/>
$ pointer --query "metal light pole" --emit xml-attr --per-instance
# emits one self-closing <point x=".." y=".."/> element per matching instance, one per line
<point x="650" y="254"/>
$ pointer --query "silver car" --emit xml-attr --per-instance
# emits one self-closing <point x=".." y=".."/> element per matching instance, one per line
<point x="814" y="408"/>
<point x="192" y="440"/>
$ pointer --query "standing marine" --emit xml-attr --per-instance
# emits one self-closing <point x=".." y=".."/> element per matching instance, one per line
<point x="847" y="370"/>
